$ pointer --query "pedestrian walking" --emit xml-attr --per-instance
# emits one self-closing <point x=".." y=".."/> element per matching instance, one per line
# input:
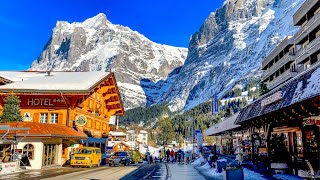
<point x="168" y="155"/>
<point x="179" y="155"/>
<point x="172" y="154"/>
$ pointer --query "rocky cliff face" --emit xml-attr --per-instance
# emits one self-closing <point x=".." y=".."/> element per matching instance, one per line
<point x="98" y="45"/>
<point x="229" y="45"/>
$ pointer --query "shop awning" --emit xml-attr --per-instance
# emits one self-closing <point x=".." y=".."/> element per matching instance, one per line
<point x="44" y="130"/>
<point x="224" y="126"/>
<point x="303" y="87"/>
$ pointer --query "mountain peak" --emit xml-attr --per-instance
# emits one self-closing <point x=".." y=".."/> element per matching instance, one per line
<point x="99" y="19"/>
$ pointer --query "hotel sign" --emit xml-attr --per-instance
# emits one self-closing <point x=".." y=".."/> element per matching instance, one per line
<point x="42" y="101"/>
<point x="273" y="98"/>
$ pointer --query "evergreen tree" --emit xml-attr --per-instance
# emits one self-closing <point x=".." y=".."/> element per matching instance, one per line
<point x="263" y="88"/>
<point x="11" y="109"/>
<point x="165" y="131"/>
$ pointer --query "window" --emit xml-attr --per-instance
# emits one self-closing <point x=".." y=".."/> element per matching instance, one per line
<point x="54" y="118"/>
<point x="28" y="150"/>
<point x="43" y="117"/>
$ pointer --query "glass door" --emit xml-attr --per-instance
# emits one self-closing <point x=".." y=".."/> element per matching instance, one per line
<point x="49" y="154"/>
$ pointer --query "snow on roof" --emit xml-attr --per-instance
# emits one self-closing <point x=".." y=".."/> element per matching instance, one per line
<point x="221" y="127"/>
<point x="56" y="81"/>
<point x="117" y="133"/>
<point x="140" y="132"/>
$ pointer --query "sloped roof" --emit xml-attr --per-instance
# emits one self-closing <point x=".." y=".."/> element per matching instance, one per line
<point x="44" y="130"/>
<point x="224" y="126"/>
<point x="302" y="87"/>
<point x="56" y="81"/>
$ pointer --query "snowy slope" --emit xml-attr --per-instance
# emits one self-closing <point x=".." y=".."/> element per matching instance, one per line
<point x="98" y="45"/>
<point x="230" y="44"/>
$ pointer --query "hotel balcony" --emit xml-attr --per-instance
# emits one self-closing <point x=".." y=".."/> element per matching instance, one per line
<point x="308" y="50"/>
<point x="307" y="8"/>
<point x="306" y="29"/>
<point x="281" y="79"/>
<point x="283" y="47"/>
<point x="283" y="61"/>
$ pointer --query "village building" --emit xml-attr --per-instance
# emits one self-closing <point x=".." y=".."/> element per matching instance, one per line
<point x="140" y="136"/>
<point x="283" y="125"/>
<point x="63" y="110"/>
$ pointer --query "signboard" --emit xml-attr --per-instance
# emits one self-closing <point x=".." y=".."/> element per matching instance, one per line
<point x="81" y="121"/>
<point x="273" y="98"/>
<point x="27" y="117"/>
<point x="215" y="105"/>
<point x="311" y="121"/>
<point x="42" y="101"/>
<point x="199" y="141"/>
<point x="9" y="167"/>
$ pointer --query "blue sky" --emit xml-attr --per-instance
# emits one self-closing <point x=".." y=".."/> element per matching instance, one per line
<point x="26" y="26"/>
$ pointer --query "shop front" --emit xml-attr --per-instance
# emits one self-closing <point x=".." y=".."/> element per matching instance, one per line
<point x="284" y="127"/>
<point x="42" y="146"/>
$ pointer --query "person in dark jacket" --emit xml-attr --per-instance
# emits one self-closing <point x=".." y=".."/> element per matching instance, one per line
<point x="168" y="155"/>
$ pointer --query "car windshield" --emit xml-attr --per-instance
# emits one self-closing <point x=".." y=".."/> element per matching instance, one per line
<point x="122" y="153"/>
<point x="83" y="151"/>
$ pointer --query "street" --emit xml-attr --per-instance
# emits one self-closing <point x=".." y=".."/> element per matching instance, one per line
<point x="147" y="171"/>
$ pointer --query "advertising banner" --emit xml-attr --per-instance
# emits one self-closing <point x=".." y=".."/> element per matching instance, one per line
<point x="215" y="105"/>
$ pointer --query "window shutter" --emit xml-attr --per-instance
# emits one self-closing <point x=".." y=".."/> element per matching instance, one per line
<point x="60" y="118"/>
<point x="36" y="117"/>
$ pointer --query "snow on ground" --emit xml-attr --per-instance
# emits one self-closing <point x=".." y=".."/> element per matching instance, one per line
<point x="212" y="172"/>
<point x="198" y="161"/>
<point x="286" y="177"/>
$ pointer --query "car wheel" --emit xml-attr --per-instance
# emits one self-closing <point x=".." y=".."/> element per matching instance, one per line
<point x="110" y="165"/>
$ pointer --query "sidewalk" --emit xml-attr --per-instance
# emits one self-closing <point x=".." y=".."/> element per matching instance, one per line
<point x="182" y="171"/>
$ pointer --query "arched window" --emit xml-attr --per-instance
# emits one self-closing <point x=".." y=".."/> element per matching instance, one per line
<point x="28" y="150"/>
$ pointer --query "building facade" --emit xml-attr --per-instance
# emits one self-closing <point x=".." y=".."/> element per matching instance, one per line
<point x="297" y="53"/>
<point x="76" y="100"/>
<point x="140" y="136"/>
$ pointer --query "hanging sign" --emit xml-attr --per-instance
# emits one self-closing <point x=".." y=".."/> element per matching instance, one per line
<point x="81" y="120"/>
<point x="311" y="121"/>
<point x="273" y="98"/>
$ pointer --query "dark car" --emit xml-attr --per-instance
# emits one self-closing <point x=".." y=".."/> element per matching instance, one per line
<point x="120" y="157"/>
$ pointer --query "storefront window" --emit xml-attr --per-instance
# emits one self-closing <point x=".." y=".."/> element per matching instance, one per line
<point x="5" y="152"/>
<point x="28" y="150"/>
<point x="54" y="118"/>
<point x="43" y="117"/>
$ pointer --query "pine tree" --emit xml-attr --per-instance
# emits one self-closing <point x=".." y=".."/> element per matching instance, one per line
<point x="11" y="109"/>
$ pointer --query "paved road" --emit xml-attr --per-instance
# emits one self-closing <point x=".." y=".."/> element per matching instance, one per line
<point x="147" y="171"/>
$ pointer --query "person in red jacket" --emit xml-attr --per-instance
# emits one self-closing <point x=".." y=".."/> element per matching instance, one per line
<point x="172" y="154"/>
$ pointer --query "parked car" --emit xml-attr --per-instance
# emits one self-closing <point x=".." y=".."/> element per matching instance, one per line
<point x="120" y="157"/>
<point x="86" y="156"/>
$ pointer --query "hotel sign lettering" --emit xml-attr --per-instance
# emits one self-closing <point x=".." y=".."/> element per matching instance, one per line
<point x="39" y="101"/>
<point x="273" y="98"/>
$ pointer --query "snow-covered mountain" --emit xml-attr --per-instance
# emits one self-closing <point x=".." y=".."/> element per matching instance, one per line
<point x="230" y="45"/>
<point x="97" y="44"/>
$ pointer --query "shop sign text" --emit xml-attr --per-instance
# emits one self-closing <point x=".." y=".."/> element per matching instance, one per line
<point x="39" y="102"/>
<point x="271" y="99"/>
<point x="307" y="122"/>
